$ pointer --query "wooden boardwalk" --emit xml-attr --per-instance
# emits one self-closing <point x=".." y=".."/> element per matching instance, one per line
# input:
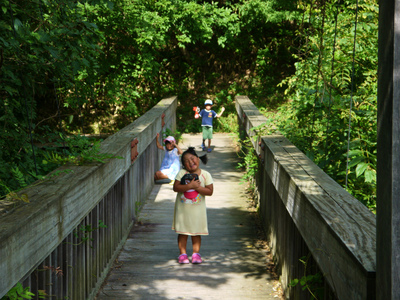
<point x="233" y="268"/>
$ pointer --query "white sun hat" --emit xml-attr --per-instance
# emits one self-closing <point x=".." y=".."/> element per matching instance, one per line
<point x="169" y="139"/>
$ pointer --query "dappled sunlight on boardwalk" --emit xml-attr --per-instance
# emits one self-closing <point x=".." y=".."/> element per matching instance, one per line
<point x="233" y="268"/>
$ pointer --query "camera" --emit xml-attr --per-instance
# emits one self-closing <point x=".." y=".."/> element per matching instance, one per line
<point x="188" y="178"/>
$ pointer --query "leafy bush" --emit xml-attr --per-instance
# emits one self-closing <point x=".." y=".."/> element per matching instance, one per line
<point x="93" y="67"/>
<point x="330" y="112"/>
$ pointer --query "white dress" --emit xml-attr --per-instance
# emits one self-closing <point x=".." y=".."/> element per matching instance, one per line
<point x="190" y="215"/>
<point x="170" y="165"/>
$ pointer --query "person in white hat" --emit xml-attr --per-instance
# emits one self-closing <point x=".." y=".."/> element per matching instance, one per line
<point x="170" y="165"/>
<point x="207" y="115"/>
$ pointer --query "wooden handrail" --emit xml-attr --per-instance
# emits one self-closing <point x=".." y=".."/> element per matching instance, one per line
<point x="304" y="211"/>
<point x="60" y="225"/>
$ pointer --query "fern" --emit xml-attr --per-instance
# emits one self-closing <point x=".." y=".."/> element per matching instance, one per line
<point x="19" y="177"/>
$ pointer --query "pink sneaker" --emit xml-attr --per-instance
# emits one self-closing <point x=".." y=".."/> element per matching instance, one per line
<point x="196" y="258"/>
<point x="183" y="259"/>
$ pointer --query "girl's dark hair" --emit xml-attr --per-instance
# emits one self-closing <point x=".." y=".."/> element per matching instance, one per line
<point x="190" y="150"/>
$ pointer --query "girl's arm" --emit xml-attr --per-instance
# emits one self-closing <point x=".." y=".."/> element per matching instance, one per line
<point x="195" y="185"/>
<point x="179" y="149"/>
<point x="207" y="190"/>
<point x="158" y="142"/>
<point x="181" y="188"/>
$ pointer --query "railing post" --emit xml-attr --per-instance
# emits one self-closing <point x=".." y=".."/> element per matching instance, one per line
<point x="388" y="166"/>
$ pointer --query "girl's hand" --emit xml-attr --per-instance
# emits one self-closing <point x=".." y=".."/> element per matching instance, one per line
<point x="194" y="184"/>
<point x="159" y="146"/>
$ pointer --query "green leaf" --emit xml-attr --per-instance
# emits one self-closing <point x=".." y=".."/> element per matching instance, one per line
<point x="356" y="161"/>
<point x="44" y="37"/>
<point x="370" y="176"/>
<point x="355" y="153"/>
<point x="10" y="90"/>
<point x="110" y="5"/>
<point x="17" y="24"/>
<point x="54" y="53"/>
<point x="294" y="282"/>
<point x="361" y="167"/>
<point x="85" y="62"/>
<point x="303" y="281"/>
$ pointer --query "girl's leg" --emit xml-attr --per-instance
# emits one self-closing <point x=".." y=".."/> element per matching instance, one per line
<point x="196" y="242"/>
<point x="160" y="175"/>
<point x="182" y="242"/>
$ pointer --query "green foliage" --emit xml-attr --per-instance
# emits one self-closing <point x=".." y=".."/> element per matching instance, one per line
<point x="45" y="47"/>
<point x="227" y="123"/>
<point x="79" y="150"/>
<point x="19" y="176"/>
<point x="84" y="231"/>
<point x="176" y="134"/>
<point x="249" y="160"/>
<point x="19" y="293"/>
<point x="313" y="283"/>
<point x="94" y="66"/>
<point x="319" y="93"/>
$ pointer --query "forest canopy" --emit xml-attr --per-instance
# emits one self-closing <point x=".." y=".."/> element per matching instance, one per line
<point x="73" y="68"/>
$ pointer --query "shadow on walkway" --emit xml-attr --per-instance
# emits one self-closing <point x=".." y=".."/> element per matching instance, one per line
<point x="234" y="266"/>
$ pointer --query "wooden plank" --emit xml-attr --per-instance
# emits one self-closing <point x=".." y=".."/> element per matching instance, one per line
<point x="388" y="160"/>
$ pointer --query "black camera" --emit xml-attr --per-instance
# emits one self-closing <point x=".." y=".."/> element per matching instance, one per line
<point x="189" y="178"/>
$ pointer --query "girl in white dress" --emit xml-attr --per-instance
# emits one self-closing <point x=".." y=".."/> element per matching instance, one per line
<point x="190" y="216"/>
<point x="170" y="165"/>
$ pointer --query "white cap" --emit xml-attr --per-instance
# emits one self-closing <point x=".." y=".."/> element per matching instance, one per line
<point x="208" y="102"/>
<point x="169" y="139"/>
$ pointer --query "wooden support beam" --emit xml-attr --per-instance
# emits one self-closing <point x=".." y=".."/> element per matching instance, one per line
<point x="388" y="168"/>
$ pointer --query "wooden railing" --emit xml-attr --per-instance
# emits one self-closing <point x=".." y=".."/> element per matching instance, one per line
<point x="57" y="243"/>
<point x="306" y="214"/>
